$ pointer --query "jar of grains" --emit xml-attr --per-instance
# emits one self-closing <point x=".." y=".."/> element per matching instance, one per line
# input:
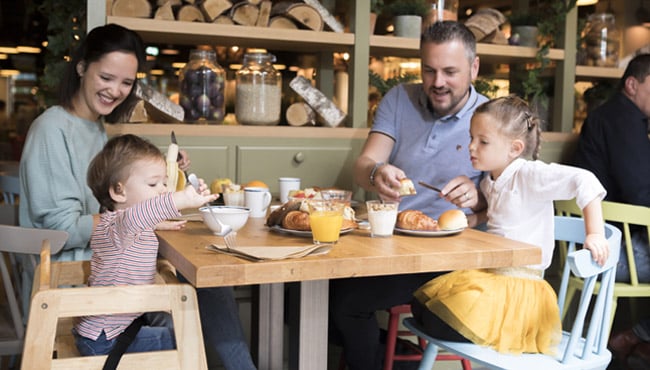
<point x="601" y="41"/>
<point x="259" y="91"/>
<point x="201" y="84"/>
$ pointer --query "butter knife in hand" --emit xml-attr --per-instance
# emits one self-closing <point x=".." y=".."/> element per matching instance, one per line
<point x="176" y="142"/>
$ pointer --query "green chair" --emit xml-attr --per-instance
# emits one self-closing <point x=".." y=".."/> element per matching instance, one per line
<point x="623" y="215"/>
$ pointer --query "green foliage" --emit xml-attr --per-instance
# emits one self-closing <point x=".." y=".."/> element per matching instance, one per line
<point x="528" y="18"/>
<point x="376" y="6"/>
<point x="384" y="85"/>
<point x="552" y="16"/>
<point x="66" y="26"/>
<point x="485" y="87"/>
<point x="408" y="7"/>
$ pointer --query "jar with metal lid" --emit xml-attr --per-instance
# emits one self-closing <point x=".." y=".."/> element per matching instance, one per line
<point x="259" y="91"/>
<point x="202" y="83"/>
<point x="601" y="40"/>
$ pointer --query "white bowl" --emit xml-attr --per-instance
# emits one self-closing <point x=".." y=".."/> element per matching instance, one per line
<point x="236" y="217"/>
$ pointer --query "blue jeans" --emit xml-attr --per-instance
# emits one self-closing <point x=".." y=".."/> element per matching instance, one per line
<point x="157" y="334"/>
<point x="222" y="329"/>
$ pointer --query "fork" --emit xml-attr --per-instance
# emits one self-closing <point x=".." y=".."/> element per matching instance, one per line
<point x="231" y="239"/>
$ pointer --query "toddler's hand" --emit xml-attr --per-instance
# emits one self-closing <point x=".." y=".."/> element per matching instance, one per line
<point x="171" y="225"/>
<point x="597" y="244"/>
<point x="190" y="198"/>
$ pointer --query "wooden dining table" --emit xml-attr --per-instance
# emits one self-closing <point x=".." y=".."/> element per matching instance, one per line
<point x="356" y="254"/>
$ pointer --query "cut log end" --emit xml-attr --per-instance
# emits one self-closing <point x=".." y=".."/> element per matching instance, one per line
<point x="131" y="8"/>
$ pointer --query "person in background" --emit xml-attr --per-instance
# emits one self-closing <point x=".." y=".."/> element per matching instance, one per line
<point x="513" y="310"/>
<point x="614" y="144"/>
<point x="420" y="131"/>
<point x="128" y="178"/>
<point x="97" y="87"/>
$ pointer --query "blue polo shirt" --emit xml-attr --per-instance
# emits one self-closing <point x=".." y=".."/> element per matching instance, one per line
<point x="427" y="147"/>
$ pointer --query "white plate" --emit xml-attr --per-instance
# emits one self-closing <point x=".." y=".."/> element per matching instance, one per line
<point x="280" y="229"/>
<point x="429" y="233"/>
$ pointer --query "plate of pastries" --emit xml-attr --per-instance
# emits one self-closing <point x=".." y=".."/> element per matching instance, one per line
<point x="417" y="223"/>
<point x="293" y="217"/>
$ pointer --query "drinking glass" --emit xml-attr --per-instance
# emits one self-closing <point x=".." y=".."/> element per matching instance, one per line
<point x="382" y="217"/>
<point x="326" y="219"/>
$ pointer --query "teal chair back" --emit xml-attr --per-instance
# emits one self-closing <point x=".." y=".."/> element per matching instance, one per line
<point x="578" y="349"/>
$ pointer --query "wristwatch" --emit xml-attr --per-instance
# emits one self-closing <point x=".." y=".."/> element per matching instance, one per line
<point x="373" y="171"/>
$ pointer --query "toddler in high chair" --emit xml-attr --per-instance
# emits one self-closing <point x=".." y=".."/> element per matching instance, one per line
<point x="513" y="310"/>
<point x="128" y="178"/>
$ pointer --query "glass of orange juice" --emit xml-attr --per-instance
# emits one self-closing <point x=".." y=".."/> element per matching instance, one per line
<point x="325" y="218"/>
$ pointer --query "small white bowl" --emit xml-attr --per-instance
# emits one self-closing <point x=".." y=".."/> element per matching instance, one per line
<point x="236" y="217"/>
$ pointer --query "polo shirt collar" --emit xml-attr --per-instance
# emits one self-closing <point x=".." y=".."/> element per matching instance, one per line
<point x="468" y="108"/>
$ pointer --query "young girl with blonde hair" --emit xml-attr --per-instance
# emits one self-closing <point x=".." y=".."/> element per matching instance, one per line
<point x="513" y="310"/>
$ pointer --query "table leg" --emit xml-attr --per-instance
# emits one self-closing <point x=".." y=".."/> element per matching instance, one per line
<point x="311" y="330"/>
<point x="271" y="327"/>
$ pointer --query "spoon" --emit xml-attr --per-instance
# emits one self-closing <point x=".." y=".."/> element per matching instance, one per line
<point x="224" y="229"/>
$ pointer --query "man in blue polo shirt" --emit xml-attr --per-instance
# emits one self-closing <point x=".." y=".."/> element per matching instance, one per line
<point x="421" y="132"/>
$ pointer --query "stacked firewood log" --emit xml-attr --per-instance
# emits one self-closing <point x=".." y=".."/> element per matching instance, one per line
<point x="308" y="14"/>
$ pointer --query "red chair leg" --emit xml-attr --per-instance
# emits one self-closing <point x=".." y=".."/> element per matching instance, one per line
<point x="391" y="341"/>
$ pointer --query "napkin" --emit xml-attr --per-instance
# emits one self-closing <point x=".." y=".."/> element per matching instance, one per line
<point x="268" y="253"/>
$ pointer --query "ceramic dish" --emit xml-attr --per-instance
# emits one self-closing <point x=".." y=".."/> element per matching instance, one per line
<point x="429" y="233"/>
<point x="280" y="229"/>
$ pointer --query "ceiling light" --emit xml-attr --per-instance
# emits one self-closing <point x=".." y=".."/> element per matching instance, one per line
<point x="9" y="72"/>
<point x="28" y="49"/>
<point x="586" y="2"/>
<point x="8" y="50"/>
<point x="169" y="51"/>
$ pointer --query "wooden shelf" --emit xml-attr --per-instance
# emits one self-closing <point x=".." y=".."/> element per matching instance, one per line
<point x="595" y="73"/>
<point x="409" y="48"/>
<point x="194" y="33"/>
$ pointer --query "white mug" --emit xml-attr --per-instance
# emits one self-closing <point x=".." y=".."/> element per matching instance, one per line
<point x="286" y="185"/>
<point x="257" y="200"/>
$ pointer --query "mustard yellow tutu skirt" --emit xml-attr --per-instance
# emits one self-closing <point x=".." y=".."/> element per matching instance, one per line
<point x="505" y="311"/>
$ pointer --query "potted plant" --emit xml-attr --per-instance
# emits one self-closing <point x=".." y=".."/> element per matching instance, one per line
<point x="376" y="7"/>
<point x="524" y="30"/>
<point x="407" y="17"/>
<point x="550" y="19"/>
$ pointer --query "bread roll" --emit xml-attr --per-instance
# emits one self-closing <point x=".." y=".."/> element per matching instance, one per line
<point x="411" y="219"/>
<point x="406" y="187"/>
<point x="276" y="217"/>
<point x="452" y="219"/>
<point x="296" y="220"/>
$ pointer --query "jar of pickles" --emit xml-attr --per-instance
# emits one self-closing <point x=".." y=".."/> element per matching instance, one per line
<point x="201" y="84"/>
<point x="601" y="40"/>
<point x="259" y="91"/>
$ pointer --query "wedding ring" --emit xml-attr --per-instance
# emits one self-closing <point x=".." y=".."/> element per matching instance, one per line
<point x="466" y="196"/>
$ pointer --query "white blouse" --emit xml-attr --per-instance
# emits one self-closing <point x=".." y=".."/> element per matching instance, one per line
<point x="520" y="201"/>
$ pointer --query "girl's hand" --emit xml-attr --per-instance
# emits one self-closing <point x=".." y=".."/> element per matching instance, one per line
<point x="171" y="225"/>
<point x="598" y="246"/>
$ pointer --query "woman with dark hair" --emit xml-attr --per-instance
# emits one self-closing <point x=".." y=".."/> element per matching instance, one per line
<point x="97" y="87"/>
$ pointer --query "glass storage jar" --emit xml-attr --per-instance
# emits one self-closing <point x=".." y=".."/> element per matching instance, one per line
<point x="259" y="91"/>
<point x="201" y="84"/>
<point x="601" y="40"/>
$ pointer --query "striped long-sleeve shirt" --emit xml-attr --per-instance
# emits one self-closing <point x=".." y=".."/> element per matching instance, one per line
<point x="125" y="249"/>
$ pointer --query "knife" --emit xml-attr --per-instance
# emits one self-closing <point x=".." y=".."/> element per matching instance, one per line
<point x="176" y="142"/>
<point x="179" y="157"/>
<point x="429" y="186"/>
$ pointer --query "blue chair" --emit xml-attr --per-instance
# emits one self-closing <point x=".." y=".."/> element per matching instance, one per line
<point x="575" y="350"/>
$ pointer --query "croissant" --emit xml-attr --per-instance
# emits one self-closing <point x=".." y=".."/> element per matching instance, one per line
<point x="296" y="220"/>
<point x="276" y="217"/>
<point x="411" y="219"/>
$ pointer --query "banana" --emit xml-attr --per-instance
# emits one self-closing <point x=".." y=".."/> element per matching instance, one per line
<point x="172" y="167"/>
